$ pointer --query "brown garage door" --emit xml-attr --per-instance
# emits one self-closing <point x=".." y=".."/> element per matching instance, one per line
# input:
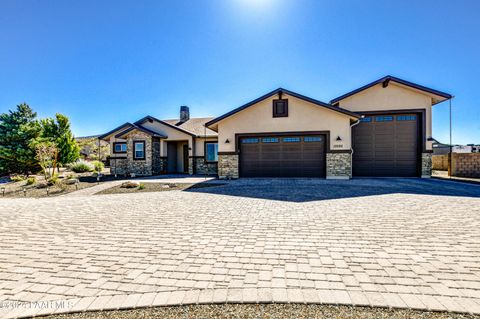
<point x="386" y="145"/>
<point x="282" y="156"/>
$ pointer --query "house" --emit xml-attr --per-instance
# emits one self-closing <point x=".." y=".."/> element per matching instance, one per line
<point x="381" y="129"/>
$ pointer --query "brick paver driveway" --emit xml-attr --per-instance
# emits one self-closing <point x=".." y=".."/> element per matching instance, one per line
<point x="395" y="242"/>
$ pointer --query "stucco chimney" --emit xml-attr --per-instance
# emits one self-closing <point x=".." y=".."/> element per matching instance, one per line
<point x="184" y="113"/>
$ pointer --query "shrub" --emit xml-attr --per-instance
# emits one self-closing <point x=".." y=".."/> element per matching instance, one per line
<point x="81" y="166"/>
<point x="98" y="166"/>
<point x="31" y="180"/>
<point x="17" y="178"/>
<point x="53" y="180"/>
<point x="141" y="186"/>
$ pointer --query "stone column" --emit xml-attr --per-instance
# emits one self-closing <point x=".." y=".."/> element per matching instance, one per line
<point x="227" y="166"/>
<point x="426" y="165"/>
<point x="339" y="165"/>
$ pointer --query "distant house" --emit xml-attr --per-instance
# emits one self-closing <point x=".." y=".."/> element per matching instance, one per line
<point x="88" y="143"/>
<point x="442" y="149"/>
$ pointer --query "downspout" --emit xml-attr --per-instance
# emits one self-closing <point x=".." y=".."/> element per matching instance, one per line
<point x="351" y="143"/>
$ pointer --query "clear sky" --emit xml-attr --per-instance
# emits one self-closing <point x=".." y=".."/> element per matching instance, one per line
<point x="104" y="63"/>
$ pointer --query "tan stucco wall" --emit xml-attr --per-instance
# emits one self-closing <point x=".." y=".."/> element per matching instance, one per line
<point x="302" y="116"/>
<point x="173" y="135"/>
<point x="393" y="97"/>
<point x="200" y="145"/>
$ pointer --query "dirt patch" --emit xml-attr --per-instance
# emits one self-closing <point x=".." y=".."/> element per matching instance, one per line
<point x="156" y="187"/>
<point x="257" y="311"/>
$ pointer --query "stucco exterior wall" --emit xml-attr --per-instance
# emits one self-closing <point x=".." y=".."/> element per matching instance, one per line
<point x="173" y="135"/>
<point x="302" y="116"/>
<point x="393" y="97"/>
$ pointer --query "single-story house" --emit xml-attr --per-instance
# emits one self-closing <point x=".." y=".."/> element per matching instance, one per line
<point x="381" y="129"/>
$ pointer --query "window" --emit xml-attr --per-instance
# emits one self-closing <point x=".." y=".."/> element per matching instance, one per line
<point x="119" y="147"/>
<point x="139" y="150"/>
<point x="211" y="151"/>
<point x="280" y="108"/>
<point x="250" y="141"/>
<point x="312" y="139"/>
<point x="270" y="140"/>
<point x="383" y="118"/>
<point x="406" y="118"/>
<point x="291" y="139"/>
<point x="366" y="119"/>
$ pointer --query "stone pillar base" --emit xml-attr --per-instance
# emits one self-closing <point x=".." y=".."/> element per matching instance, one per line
<point x="339" y="165"/>
<point x="426" y="165"/>
<point x="227" y="166"/>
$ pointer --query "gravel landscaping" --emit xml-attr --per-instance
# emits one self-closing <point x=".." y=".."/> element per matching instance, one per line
<point x="256" y="311"/>
<point x="155" y="187"/>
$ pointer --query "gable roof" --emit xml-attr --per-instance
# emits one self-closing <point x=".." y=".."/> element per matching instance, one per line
<point x="140" y="128"/>
<point x="114" y="130"/>
<point x="151" y="118"/>
<point x="281" y="90"/>
<point x="389" y="78"/>
<point x="195" y="125"/>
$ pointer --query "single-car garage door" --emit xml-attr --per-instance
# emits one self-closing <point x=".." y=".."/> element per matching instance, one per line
<point x="386" y="145"/>
<point x="282" y="156"/>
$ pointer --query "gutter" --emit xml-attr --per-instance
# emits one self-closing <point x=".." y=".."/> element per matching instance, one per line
<point x="351" y="143"/>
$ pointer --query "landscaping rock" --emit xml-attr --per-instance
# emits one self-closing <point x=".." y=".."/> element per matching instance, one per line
<point x="130" y="185"/>
<point x="71" y="181"/>
<point x="42" y="185"/>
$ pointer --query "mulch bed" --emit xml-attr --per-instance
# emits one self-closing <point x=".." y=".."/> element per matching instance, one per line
<point x="156" y="187"/>
<point x="270" y="311"/>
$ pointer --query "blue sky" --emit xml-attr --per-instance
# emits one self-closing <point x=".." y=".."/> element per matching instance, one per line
<point x="107" y="62"/>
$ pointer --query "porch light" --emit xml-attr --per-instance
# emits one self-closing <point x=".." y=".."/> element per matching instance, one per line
<point x="227" y="141"/>
<point x="339" y="138"/>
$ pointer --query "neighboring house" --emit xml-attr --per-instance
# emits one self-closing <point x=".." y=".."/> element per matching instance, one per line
<point x="443" y="149"/>
<point x="381" y="129"/>
<point x="87" y="144"/>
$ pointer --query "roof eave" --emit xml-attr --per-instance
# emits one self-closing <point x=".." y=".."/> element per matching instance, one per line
<point x="142" y="120"/>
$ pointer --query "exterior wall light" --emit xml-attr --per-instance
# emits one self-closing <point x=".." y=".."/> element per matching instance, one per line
<point x="339" y="138"/>
<point x="227" y="141"/>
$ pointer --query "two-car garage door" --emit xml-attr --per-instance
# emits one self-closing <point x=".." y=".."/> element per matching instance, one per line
<point x="282" y="156"/>
<point x="386" y="145"/>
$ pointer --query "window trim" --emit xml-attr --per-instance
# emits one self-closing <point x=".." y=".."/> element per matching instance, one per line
<point x="119" y="143"/>
<point x="135" y="151"/>
<point x="205" y="151"/>
<point x="274" y="104"/>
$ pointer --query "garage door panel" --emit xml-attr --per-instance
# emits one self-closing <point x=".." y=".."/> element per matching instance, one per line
<point x="386" y="145"/>
<point x="291" y="156"/>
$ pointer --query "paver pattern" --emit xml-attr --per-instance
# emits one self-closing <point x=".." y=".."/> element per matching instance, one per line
<point x="406" y="243"/>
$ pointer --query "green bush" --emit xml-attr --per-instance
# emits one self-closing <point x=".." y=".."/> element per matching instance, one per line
<point x="81" y="166"/>
<point x="98" y="166"/>
<point x="141" y="186"/>
<point x="31" y="180"/>
<point x="53" y="180"/>
<point x="17" y="178"/>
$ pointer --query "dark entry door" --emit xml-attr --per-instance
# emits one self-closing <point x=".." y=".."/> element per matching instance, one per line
<point x="387" y="146"/>
<point x="171" y="157"/>
<point x="282" y="156"/>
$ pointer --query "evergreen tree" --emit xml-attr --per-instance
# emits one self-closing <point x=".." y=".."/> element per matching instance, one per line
<point x="17" y="130"/>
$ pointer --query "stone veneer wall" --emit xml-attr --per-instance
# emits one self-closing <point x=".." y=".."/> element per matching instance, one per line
<point x="202" y="167"/>
<point x="339" y="165"/>
<point x="129" y="165"/>
<point x="228" y="165"/>
<point x="426" y="165"/>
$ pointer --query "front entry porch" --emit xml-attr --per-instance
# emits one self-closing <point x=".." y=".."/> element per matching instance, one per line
<point x="177" y="157"/>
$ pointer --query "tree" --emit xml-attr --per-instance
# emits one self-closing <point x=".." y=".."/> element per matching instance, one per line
<point x="58" y="131"/>
<point x="17" y="130"/>
<point x="47" y="155"/>
<point x="93" y="149"/>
